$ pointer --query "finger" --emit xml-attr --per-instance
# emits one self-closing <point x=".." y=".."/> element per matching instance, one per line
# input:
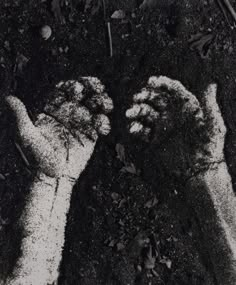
<point x="213" y="110"/>
<point x="141" y="97"/>
<point x="80" y="116"/>
<point x="85" y="134"/>
<point x="138" y="129"/>
<point x="93" y="83"/>
<point x="142" y="111"/>
<point x="61" y="113"/>
<point x="102" y="124"/>
<point x="100" y="102"/>
<point x="173" y="86"/>
<point x="72" y="89"/>
<point x="32" y="138"/>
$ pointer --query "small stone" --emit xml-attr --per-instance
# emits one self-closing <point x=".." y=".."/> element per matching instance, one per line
<point x="119" y="14"/>
<point x="46" y="32"/>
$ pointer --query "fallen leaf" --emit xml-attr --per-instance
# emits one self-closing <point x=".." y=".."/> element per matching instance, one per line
<point x="21" y="62"/>
<point x="2" y="177"/>
<point x="201" y="43"/>
<point x="122" y="202"/>
<point x="120" y="152"/>
<point x="130" y="168"/>
<point x="150" y="259"/>
<point x="151" y="203"/>
<point x="166" y="261"/>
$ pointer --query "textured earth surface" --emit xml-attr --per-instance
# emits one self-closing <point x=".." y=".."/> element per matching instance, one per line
<point x="128" y="222"/>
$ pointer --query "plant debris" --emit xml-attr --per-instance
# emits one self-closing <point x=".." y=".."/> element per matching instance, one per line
<point x="228" y="11"/>
<point x="150" y="258"/>
<point x="151" y="203"/>
<point x="201" y="43"/>
<point x="166" y="261"/>
<point x="56" y="9"/>
<point x="2" y="177"/>
<point x="21" y="62"/>
<point x="128" y="167"/>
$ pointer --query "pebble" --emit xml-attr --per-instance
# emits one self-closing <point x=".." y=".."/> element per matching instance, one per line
<point x="46" y="32"/>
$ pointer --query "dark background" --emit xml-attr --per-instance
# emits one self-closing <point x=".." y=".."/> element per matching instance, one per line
<point x="115" y="209"/>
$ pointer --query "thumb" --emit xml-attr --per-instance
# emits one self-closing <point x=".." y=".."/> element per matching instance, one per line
<point x="213" y="110"/>
<point x="218" y="128"/>
<point x="24" y="125"/>
<point x="32" y="138"/>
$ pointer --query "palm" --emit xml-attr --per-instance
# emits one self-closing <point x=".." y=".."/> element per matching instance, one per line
<point x="65" y="134"/>
<point x="186" y="136"/>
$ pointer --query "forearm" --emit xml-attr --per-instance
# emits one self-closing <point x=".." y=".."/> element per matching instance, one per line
<point x="44" y="221"/>
<point x="211" y="195"/>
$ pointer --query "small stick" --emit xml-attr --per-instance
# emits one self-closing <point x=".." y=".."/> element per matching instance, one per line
<point x="230" y="8"/>
<point x="108" y="25"/>
<point x="22" y="155"/>
<point x="224" y="11"/>
<point x="110" y="38"/>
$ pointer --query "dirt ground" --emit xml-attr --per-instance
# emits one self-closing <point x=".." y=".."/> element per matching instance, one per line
<point x="128" y="223"/>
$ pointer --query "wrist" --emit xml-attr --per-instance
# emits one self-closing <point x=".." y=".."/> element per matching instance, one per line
<point x="48" y="181"/>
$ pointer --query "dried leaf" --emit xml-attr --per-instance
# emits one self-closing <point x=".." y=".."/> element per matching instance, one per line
<point x="166" y="261"/>
<point x="130" y="168"/>
<point x="2" y="177"/>
<point x="151" y="203"/>
<point x="118" y="14"/>
<point x="150" y="259"/>
<point x="120" y="152"/>
<point x="201" y="43"/>
<point x="122" y="202"/>
<point x="21" y="62"/>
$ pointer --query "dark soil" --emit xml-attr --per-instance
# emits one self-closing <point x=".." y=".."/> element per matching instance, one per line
<point x="127" y="215"/>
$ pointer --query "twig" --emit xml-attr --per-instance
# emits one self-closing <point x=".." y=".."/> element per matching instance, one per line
<point x="224" y="11"/>
<point x="226" y="7"/>
<point x="110" y="38"/>
<point x="230" y="8"/>
<point x="108" y="26"/>
<point x="22" y="155"/>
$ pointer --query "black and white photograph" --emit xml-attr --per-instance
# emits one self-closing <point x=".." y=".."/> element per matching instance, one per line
<point x="118" y="142"/>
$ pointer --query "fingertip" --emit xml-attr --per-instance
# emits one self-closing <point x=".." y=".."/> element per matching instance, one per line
<point x="137" y="129"/>
<point x="155" y="81"/>
<point x="102" y="124"/>
<point x="142" y="96"/>
<point x="133" y="111"/>
<point x="94" y="83"/>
